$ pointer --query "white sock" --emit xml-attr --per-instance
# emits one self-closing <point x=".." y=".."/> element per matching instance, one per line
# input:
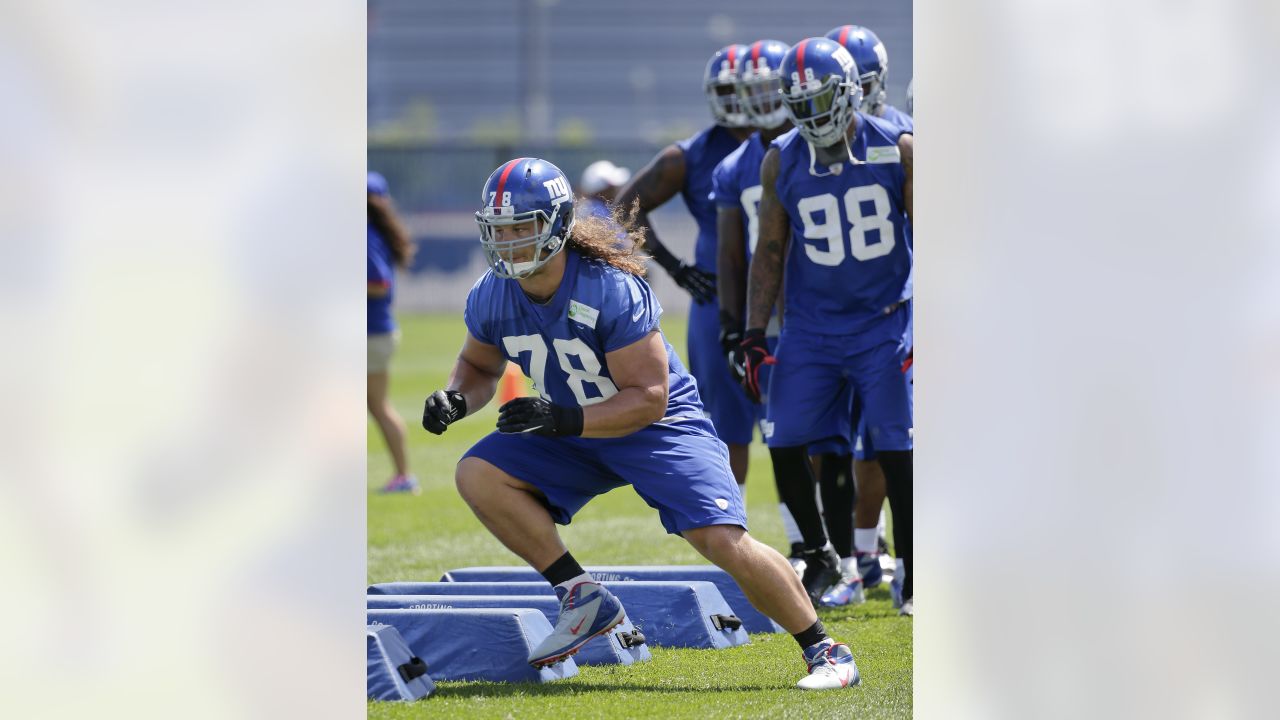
<point x="849" y="567"/>
<point x="789" y="525"/>
<point x="880" y="524"/>
<point x="568" y="584"/>
<point x="866" y="540"/>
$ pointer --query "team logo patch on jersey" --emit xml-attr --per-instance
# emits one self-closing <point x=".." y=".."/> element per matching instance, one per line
<point x="883" y="154"/>
<point x="584" y="314"/>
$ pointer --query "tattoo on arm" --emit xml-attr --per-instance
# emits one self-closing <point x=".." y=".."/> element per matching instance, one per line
<point x="765" y="275"/>
<point x="906" y="148"/>
<point x="654" y="185"/>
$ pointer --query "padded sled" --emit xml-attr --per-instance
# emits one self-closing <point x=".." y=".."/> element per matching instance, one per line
<point x="477" y="644"/>
<point x="622" y="645"/>
<point x="753" y="620"/>
<point x="394" y="673"/>
<point x="670" y="614"/>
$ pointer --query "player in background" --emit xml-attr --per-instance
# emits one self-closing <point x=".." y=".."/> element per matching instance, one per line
<point x="736" y="189"/>
<point x="568" y="303"/>
<point x="599" y="186"/>
<point x="840" y="184"/>
<point x="685" y="167"/>
<point x="872" y="59"/>
<point x="390" y="247"/>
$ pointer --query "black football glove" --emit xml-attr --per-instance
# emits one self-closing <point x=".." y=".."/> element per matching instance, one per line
<point x="699" y="283"/>
<point x="753" y="354"/>
<point x="730" y="339"/>
<point x="443" y="407"/>
<point x="540" y="416"/>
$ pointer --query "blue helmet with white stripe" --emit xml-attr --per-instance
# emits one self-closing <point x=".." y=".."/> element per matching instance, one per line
<point x="720" y="82"/>
<point x="760" y="83"/>
<point x="520" y="191"/>
<point x="872" y="61"/>
<point x="820" y="89"/>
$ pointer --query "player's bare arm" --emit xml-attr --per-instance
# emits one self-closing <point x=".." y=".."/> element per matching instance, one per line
<point x="640" y="373"/>
<point x="906" y="148"/>
<point x="471" y="386"/>
<point x="765" y="275"/>
<point x="731" y="266"/>
<point x="649" y="189"/>
<point x="477" y="372"/>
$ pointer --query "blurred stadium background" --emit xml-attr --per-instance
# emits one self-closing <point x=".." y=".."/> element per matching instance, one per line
<point x="455" y="89"/>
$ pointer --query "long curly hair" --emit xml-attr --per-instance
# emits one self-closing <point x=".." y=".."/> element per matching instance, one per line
<point x="613" y="240"/>
<point x="383" y="218"/>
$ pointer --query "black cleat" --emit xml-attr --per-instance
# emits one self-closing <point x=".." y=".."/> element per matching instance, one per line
<point x="821" y="571"/>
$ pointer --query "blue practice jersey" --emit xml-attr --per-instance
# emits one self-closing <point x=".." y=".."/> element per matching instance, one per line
<point x="849" y="259"/>
<point x="899" y="118"/>
<point x="381" y="271"/>
<point x="562" y="345"/>
<point x="736" y="183"/>
<point x="702" y="153"/>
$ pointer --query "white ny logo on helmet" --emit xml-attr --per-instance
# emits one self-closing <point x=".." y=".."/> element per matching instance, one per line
<point x="557" y="189"/>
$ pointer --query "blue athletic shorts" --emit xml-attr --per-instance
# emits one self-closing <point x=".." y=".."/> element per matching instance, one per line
<point x="815" y="380"/>
<point x="680" y="468"/>
<point x="724" y="399"/>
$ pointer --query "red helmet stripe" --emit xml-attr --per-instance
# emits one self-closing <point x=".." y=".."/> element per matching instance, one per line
<point x="844" y="34"/>
<point x="755" y="51"/>
<point x="800" y="59"/>
<point x="732" y="56"/>
<point x="502" y="180"/>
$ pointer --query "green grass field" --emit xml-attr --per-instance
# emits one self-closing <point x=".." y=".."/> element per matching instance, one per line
<point x="416" y="538"/>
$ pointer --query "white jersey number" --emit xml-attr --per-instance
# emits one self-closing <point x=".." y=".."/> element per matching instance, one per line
<point x="831" y="252"/>
<point x="576" y="379"/>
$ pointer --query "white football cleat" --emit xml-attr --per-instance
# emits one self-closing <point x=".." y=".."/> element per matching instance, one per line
<point x="831" y="667"/>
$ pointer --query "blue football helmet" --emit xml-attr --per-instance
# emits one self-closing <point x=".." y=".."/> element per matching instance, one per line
<point x="760" y="83"/>
<point x="820" y="88"/>
<point x="720" y="83"/>
<point x="872" y="61"/>
<point x="520" y="191"/>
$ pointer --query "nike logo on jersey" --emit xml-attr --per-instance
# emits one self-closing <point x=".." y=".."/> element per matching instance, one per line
<point x="636" y="315"/>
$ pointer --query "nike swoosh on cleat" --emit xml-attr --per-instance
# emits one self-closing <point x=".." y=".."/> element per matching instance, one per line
<point x="574" y="630"/>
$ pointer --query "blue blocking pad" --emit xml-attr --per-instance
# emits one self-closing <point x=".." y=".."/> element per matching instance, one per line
<point x="668" y="613"/>
<point x="621" y="645"/>
<point x="753" y="620"/>
<point x="478" y="644"/>
<point x="394" y="672"/>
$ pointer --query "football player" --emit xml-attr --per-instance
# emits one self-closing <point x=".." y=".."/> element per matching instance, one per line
<point x="685" y="168"/>
<point x="615" y="406"/>
<point x="736" y="188"/>
<point x="872" y="60"/>
<point x="840" y="185"/>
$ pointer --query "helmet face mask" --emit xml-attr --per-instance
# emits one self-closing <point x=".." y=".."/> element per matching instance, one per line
<point x="526" y="217"/>
<point x="522" y="251"/>
<point x="762" y="100"/>
<point x="760" y="84"/>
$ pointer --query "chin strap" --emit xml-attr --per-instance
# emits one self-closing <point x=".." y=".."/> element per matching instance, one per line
<point x="835" y="168"/>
